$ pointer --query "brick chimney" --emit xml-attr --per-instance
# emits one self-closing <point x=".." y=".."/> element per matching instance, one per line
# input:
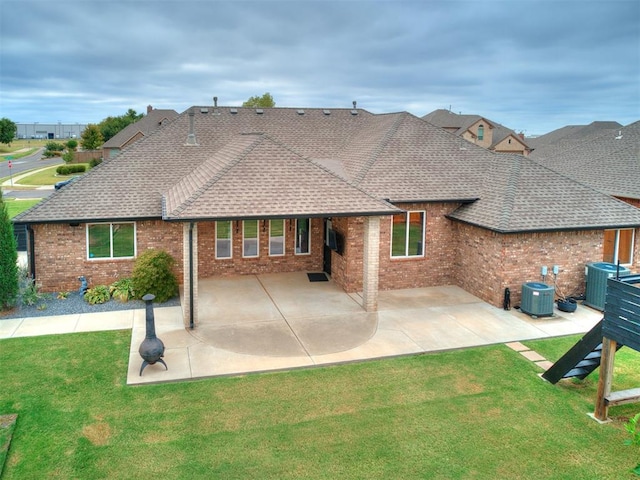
<point x="521" y="135"/>
<point x="149" y="108"/>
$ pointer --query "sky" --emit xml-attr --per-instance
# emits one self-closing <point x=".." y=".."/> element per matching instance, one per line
<point x="531" y="65"/>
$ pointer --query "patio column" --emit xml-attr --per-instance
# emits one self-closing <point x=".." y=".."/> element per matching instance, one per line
<point x="190" y="274"/>
<point x="371" y="263"/>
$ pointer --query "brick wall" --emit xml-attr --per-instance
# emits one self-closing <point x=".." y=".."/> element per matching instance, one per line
<point x="61" y="254"/>
<point x="210" y="266"/>
<point x="489" y="262"/>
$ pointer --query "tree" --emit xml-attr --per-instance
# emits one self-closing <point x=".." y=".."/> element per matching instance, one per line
<point x="91" y="138"/>
<point x="7" y="131"/>
<point x="8" y="260"/>
<point x="72" y="144"/>
<point x="110" y="126"/>
<point x="265" y="101"/>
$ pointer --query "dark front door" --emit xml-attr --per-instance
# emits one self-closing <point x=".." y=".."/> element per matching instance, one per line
<point x="326" y="257"/>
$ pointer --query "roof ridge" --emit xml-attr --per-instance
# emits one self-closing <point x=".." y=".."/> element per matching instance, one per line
<point x="511" y="191"/>
<point x="205" y="186"/>
<point x="381" y="145"/>
<point x="324" y="168"/>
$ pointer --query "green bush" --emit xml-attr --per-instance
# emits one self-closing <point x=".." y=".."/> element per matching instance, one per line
<point x="153" y="273"/>
<point x="122" y="289"/>
<point x="94" y="162"/>
<point x="97" y="295"/>
<point x="8" y="259"/>
<point x="72" y="144"/>
<point x="54" y="147"/>
<point x="69" y="169"/>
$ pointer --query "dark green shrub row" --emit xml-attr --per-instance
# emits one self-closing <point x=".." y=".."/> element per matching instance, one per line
<point x="69" y="169"/>
<point x="54" y="147"/>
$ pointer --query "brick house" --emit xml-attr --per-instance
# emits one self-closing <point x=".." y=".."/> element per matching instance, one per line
<point x="378" y="201"/>
<point x="476" y="129"/>
<point x="154" y="119"/>
<point x="606" y="157"/>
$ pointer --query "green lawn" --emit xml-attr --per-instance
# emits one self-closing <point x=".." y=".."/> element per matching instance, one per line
<point x="478" y="413"/>
<point x="46" y="176"/>
<point x="14" y="207"/>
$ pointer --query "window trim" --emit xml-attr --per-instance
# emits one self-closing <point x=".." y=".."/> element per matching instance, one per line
<point x="111" y="257"/>
<point x="616" y="245"/>
<point x="407" y="215"/>
<point x="296" y="246"/>
<point x="257" y="239"/>
<point x="481" y="132"/>
<point x="230" y="239"/>
<point x="284" y="244"/>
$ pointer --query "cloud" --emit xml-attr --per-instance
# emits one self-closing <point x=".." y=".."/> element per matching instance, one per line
<point x="533" y="64"/>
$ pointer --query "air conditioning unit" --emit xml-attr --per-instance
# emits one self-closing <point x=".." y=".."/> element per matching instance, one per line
<point x="597" y="274"/>
<point x="537" y="299"/>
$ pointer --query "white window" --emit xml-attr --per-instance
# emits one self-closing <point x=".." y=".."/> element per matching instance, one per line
<point x="111" y="240"/>
<point x="250" y="238"/>
<point x="618" y="246"/>
<point x="223" y="239"/>
<point x="276" y="237"/>
<point x="303" y="242"/>
<point x="407" y="234"/>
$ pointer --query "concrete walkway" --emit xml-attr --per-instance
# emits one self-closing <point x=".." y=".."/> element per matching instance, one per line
<point x="287" y="322"/>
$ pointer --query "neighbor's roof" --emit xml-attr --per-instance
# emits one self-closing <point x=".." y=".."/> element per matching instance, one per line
<point x="147" y="124"/>
<point x="462" y="123"/>
<point x="606" y="159"/>
<point x="251" y="163"/>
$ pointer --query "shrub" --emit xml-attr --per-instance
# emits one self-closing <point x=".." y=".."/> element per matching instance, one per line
<point x="97" y="295"/>
<point x="54" y="147"/>
<point x="8" y="259"/>
<point x="28" y="288"/>
<point x="122" y="289"/>
<point x="68" y="156"/>
<point x="72" y="144"/>
<point x="94" y="162"/>
<point x="69" y="169"/>
<point x="153" y="273"/>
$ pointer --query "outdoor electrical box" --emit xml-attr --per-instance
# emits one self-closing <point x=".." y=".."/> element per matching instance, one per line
<point x="597" y="274"/>
<point x="537" y="299"/>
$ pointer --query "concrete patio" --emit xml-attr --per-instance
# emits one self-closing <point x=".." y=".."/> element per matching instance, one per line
<point x="283" y="321"/>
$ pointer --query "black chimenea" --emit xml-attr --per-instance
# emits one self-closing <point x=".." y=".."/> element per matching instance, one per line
<point x="151" y="349"/>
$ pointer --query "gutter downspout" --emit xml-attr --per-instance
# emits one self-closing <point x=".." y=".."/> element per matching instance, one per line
<point x="191" y="319"/>
<point x="31" y="261"/>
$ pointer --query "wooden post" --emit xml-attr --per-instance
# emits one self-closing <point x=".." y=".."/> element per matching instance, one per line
<point x="607" y="361"/>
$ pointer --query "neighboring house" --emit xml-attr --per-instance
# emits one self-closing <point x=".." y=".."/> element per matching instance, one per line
<point x="384" y="201"/>
<point x="606" y="157"/>
<point x="476" y="129"/>
<point x="148" y="124"/>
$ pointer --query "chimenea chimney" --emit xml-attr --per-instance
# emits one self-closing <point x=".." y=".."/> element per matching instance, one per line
<point x="149" y="108"/>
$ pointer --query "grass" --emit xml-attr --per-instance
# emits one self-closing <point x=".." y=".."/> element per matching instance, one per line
<point x="474" y="413"/>
<point x="14" y="207"/>
<point x="7" y="425"/>
<point x="45" y="176"/>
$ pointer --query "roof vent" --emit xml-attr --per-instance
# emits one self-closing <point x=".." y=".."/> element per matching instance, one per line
<point x="215" y="101"/>
<point x="326" y="112"/>
<point x="354" y="111"/>
<point x="300" y="112"/>
<point x="259" y="111"/>
<point x="204" y="110"/>
<point x="619" y="136"/>
<point x="233" y="110"/>
<point x="191" y="138"/>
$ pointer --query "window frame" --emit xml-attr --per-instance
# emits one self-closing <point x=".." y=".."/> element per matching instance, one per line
<point x="111" y="257"/>
<point x="407" y="215"/>
<point x="481" y="132"/>
<point x="616" y="245"/>
<point x="244" y="239"/>
<point x="297" y="245"/>
<point x="283" y="236"/>
<point x="230" y="239"/>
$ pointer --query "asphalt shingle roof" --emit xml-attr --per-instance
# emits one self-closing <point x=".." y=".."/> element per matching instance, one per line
<point x="606" y="159"/>
<point x="287" y="162"/>
<point x="147" y="124"/>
